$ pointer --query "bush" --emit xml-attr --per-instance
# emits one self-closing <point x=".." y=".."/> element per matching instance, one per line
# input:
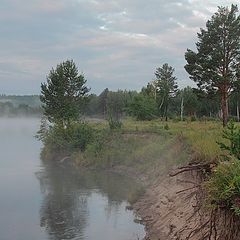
<point x="96" y="146"/>
<point x="80" y="135"/>
<point x="166" y="127"/>
<point x="193" y="118"/>
<point x="114" y="123"/>
<point x="232" y="134"/>
<point x="223" y="187"/>
<point x="61" y="141"/>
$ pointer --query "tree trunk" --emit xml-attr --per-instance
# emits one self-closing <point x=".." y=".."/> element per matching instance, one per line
<point x="224" y="106"/>
<point x="182" y="106"/>
<point x="166" y="111"/>
<point x="237" y="112"/>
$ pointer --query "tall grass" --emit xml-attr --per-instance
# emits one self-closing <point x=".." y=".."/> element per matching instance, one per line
<point x="202" y="137"/>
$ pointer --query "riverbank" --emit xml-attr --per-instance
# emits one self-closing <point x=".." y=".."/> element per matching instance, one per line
<point x="171" y="207"/>
<point x="148" y="151"/>
<point x="168" y="206"/>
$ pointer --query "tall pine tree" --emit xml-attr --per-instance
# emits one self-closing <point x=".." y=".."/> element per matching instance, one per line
<point x="215" y="64"/>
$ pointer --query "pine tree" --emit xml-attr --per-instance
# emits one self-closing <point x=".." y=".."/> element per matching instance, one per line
<point x="215" y="65"/>
<point x="166" y="87"/>
<point x="64" y="94"/>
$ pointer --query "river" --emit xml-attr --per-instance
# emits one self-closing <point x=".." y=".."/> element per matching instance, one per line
<point x="40" y="201"/>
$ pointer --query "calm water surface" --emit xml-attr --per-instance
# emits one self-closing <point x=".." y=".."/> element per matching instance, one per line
<point x="40" y="202"/>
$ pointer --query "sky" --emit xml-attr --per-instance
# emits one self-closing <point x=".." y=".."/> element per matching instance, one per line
<point x="115" y="44"/>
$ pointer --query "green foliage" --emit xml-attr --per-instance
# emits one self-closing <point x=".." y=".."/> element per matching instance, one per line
<point x="95" y="147"/>
<point x="102" y="102"/>
<point x="223" y="187"/>
<point x="60" y="140"/>
<point x="166" y="86"/>
<point x="166" y="127"/>
<point x="114" y="123"/>
<point x="64" y="94"/>
<point x="115" y="107"/>
<point x="236" y="209"/>
<point x="190" y="101"/>
<point x="143" y="107"/>
<point x="115" y="102"/>
<point x="30" y="100"/>
<point x="13" y="106"/>
<point x="214" y="67"/>
<point x="42" y="133"/>
<point x="232" y="134"/>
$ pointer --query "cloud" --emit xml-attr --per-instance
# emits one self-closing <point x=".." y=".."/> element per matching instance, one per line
<point x="116" y="43"/>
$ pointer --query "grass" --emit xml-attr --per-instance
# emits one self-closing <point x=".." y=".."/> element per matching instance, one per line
<point x="202" y="137"/>
<point x="151" y="145"/>
<point x="146" y="146"/>
<point x="223" y="187"/>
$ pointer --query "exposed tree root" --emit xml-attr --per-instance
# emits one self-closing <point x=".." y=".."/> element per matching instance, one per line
<point x="206" y="167"/>
<point x="221" y="224"/>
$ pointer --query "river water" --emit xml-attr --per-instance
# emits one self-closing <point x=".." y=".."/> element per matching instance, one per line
<point x="44" y="201"/>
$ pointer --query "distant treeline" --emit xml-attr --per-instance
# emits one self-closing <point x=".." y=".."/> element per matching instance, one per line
<point x="144" y="105"/>
<point x="12" y="105"/>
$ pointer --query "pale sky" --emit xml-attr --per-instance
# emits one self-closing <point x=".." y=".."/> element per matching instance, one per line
<point x="116" y="44"/>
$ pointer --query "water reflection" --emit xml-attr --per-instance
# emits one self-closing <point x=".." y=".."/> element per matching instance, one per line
<point x="68" y="204"/>
<point x="86" y="205"/>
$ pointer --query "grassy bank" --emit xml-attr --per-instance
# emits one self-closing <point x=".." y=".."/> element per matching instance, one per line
<point x="201" y="137"/>
<point x="143" y="145"/>
<point x="143" y="152"/>
<point x="146" y="148"/>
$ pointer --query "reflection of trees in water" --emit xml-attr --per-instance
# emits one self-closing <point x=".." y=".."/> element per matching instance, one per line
<point x="64" y="211"/>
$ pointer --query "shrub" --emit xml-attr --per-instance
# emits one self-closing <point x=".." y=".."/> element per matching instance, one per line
<point x="114" y="123"/>
<point x="80" y="135"/>
<point x="193" y="118"/>
<point x="166" y="127"/>
<point x="223" y="187"/>
<point x="232" y="134"/>
<point x="61" y="141"/>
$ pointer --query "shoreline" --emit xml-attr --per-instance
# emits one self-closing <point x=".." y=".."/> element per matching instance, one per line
<point x="166" y="210"/>
<point x="164" y="213"/>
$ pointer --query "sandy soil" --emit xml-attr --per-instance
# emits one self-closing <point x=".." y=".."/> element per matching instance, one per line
<point x="170" y="213"/>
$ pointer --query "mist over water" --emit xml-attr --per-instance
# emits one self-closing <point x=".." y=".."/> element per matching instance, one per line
<point x="48" y="201"/>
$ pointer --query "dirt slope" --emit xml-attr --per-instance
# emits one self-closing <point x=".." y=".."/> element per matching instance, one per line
<point x="168" y="212"/>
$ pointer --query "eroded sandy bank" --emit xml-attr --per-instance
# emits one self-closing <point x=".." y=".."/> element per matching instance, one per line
<point x="170" y="209"/>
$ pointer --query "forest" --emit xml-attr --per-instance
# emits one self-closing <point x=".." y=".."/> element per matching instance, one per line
<point x="17" y="106"/>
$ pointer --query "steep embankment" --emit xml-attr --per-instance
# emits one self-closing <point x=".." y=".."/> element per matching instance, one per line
<point x="175" y="206"/>
<point x="170" y="209"/>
